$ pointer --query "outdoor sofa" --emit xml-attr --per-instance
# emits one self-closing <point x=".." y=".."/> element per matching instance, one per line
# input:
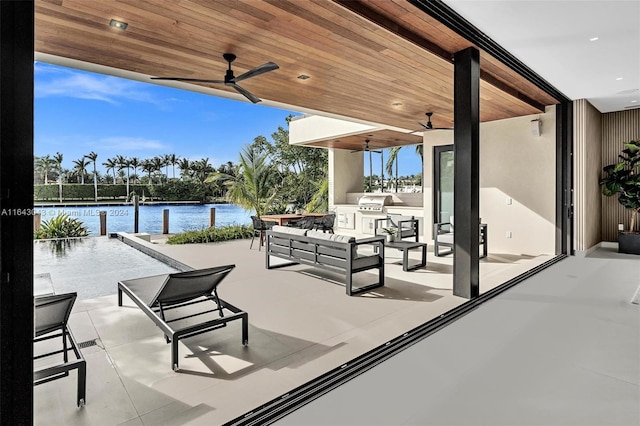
<point x="333" y="252"/>
<point x="158" y="294"/>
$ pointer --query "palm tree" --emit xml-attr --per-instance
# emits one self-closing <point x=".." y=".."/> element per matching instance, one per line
<point x="92" y="156"/>
<point x="111" y="165"/>
<point x="393" y="158"/>
<point x="201" y="169"/>
<point x="147" y="166"/>
<point x="58" y="163"/>
<point x="43" y="166"/>
<point x="135" y="163"/>
<point x="185" y="168"/>
<point x="158" y="163"/>
<point x="420" y="152"/>
<point x="124" y="163"/>
<point x="254" y="187"/>
<point x="81" y="168"/>
<point x="173" y="160"/>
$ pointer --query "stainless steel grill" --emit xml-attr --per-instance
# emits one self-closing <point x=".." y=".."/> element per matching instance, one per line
<point x="374" y="202"/>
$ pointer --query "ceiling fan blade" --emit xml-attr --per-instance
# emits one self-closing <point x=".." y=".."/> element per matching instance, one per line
<point x="245" y="93"/>
<point x="426" y="126"/>
<point x="193" y="80"/>
<point x="269" y="66"/>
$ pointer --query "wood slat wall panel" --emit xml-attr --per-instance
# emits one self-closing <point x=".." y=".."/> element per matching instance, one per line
<point x="617" y="128"/>
<point x="588" y="159"/>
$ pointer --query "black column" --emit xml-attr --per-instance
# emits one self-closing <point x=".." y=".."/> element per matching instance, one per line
<point x="466" y="182"/>
<point x="16" y="212"/>
<point x="564" y="178"/>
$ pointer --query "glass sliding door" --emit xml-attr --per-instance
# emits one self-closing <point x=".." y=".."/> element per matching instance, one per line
<point x="443" y="183"/>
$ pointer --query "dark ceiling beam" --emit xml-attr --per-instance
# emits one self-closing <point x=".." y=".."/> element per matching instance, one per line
<point x="496" y="82"/>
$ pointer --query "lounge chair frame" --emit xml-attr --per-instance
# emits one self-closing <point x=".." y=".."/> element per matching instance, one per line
<point x="157" y="307"/>
<point x="69" y="344"/>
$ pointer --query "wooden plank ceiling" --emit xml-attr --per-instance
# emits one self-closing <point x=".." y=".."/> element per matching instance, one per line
<point x="366" y="60"/>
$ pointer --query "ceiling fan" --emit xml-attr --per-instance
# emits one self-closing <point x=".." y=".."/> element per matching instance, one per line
<point x="429" y="126"/>
<point x="230" y="79"/>
<point x="366" y="148"/>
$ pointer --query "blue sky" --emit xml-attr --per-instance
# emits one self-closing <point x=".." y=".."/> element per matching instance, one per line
<point x="77" y="112"/>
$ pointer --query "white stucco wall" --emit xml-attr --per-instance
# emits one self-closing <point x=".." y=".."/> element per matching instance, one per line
<point x="345" y="175"/>
<point x="515" y="167"/>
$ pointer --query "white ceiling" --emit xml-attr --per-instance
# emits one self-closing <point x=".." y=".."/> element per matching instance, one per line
<point x="553" y="39"/>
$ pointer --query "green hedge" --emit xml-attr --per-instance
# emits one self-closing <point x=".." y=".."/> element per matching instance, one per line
<point x="75" y="191"/>
<point x="210" y="235"/>
<point x="174" y="190"/>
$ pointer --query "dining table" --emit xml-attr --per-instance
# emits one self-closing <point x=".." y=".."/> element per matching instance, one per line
<point x="283" y="219"/>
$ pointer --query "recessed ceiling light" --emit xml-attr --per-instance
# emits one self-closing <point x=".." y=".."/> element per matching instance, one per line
<point x="118" y="24"/>
<point x="397" y="104"/>
<point x="634" y="101"/>
<point x="593" y="39"/>
<point x="619" y="78"/>
<point x="303" y="77"/>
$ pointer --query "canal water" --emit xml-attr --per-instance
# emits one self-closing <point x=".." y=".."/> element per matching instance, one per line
<point x="181" y="217"/>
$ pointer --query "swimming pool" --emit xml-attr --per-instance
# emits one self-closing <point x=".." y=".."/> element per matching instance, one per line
<point x="92" y="266"/>
<point x="181" y="217"/>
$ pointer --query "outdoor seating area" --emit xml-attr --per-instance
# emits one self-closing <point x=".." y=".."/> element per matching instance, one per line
<point x="327" y="251"/>
<point x="301" y="326"/>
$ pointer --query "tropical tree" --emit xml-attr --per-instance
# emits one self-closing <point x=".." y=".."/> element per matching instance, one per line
<point x="43" y="165"/>
<point x="320" y="200"/>
<point x="80" y="168"/>
<point x="58" y="164"/>
<point x="253" y="188"/>
<point x="158" y="163"/>
<point x="111" y="165"/>
<point x="148" y="167"/>
<point x="300" y="168"/>
<point x="173" y="160"/>
<point x="185" y="168"/>
<point x="201" y="169"/>
<point x="92" y="156"/>
<point x="124" y="164"/>
<point x="393" y="159"/>
<point x="134" y="163"/>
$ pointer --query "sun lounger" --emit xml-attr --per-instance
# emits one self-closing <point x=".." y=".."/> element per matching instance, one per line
<point x="156" y="295"/>
<point x="51" y="316"/>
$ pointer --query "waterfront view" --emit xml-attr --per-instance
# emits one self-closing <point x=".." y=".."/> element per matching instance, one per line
<point x="181" y="217"/>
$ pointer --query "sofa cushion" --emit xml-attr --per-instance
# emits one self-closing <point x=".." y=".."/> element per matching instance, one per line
<point x="331" y="237"/>
<point x="289" y="230"/>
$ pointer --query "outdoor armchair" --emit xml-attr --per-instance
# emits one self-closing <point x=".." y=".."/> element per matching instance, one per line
<point x="404" y="226"/>
<point x="51" y="316"/>
<point x="443" y="237"/>
<point x="157" y="295"/>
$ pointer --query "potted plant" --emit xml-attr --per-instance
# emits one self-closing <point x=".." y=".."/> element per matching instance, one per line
<point x="623" y="179"/>
<point x="390" y="234"/>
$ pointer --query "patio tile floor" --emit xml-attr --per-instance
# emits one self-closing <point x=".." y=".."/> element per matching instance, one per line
<point x="302" y="324"/>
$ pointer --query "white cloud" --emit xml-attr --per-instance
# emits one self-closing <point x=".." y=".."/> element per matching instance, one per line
<point x="68" y="83"/>
<point x="127" y="144"/>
